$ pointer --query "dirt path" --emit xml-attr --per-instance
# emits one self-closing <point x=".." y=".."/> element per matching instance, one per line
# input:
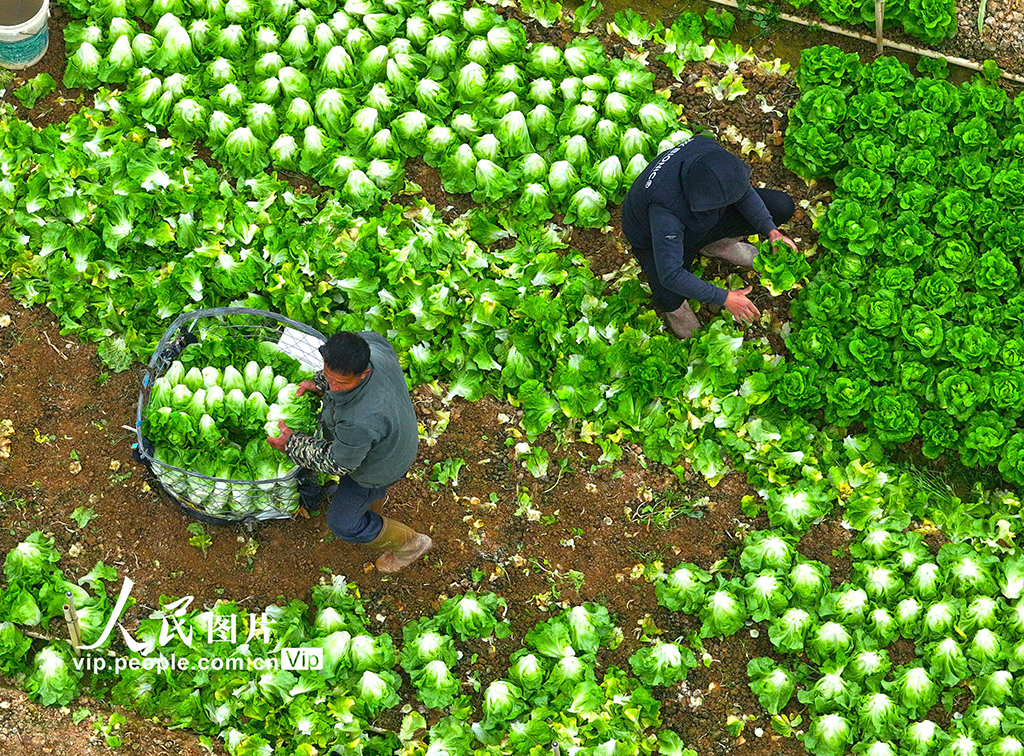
<point x="27" y="729"/>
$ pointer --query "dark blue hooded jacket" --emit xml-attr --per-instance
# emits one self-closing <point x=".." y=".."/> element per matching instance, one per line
<point x="678" y="199"/>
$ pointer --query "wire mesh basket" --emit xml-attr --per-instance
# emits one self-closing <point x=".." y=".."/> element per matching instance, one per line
<point x="219" y="500"/>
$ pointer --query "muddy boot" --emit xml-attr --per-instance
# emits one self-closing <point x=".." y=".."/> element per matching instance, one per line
<point x="402" y="546"/>
<point x="682" y="321"/>
<point x="377" y="505"/>
<point x="734" y="250"/>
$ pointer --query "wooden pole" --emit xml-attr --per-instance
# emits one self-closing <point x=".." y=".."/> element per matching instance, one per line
<point x="71" y="617"/>
<point x="879" y="23"/>
<point x="962" y="62"/>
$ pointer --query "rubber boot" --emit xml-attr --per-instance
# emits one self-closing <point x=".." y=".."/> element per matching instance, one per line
<point x="682" y="322"/>
<point x="401" y="546"/>
<point x="734" y="250"/>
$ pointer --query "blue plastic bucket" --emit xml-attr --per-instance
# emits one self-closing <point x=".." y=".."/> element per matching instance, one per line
<point x="23" y="44"/>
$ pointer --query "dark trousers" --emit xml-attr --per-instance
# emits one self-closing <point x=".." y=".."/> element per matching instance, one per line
<point x="731" y="224"/>
<point x="349" y="516"/>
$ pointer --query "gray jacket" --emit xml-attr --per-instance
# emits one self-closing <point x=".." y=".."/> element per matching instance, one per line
<point x="370" y="433"/>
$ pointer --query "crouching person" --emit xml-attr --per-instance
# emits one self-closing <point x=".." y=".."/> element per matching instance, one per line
<point x="370" y="441"/>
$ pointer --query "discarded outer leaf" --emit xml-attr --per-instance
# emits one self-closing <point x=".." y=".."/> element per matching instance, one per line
<point x="6" y="431"/>
<point x="83" y="516"/>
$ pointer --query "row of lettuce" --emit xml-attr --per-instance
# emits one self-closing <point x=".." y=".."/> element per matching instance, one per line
<point x="840" y="655"/>
<point x="932" y="21"/>
<point x="913" y="322"/>
<point x="347" y="95"/>
<point x="841" y="651"/>
<point x="222" y="671"/>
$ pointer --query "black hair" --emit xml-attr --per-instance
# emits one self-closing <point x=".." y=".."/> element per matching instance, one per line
<point x="346" y="353"/>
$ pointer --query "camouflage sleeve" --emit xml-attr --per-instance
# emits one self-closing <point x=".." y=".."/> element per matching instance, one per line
<point x="313" y="454"/>
<point x="320" y="381"/>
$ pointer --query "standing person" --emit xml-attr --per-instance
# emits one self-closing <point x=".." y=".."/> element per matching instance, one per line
<point x="370" y="441"/>
<point x="694" y="198"/>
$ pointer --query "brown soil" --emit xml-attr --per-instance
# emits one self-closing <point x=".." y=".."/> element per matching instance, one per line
<point x="60" y="105"/>
<point x="27" y="729"/>
<point x="1002" y="32"/>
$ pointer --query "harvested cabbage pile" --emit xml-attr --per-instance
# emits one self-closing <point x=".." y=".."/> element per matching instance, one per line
<point x="214" y="419"/>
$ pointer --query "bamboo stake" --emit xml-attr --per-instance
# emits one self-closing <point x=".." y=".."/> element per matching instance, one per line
<point x="48" y="639"/>
<point x="71" y="617"/>
<point x="879" y="23"/>
<point x="962" y="62"/>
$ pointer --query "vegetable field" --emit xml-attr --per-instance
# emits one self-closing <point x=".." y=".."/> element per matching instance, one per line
<point x="793" y="536"/>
